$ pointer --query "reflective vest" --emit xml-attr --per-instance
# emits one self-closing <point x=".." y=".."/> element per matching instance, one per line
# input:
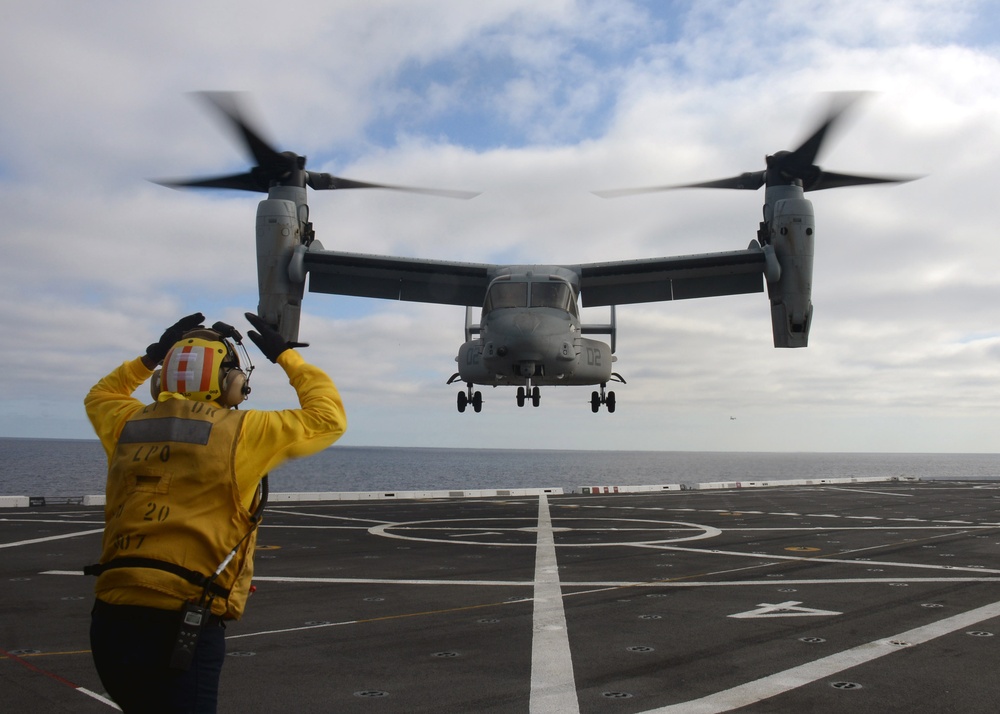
<point x="174" y="511"/>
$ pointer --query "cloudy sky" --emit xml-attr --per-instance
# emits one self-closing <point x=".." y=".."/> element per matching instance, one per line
<point x="535" y="103"/>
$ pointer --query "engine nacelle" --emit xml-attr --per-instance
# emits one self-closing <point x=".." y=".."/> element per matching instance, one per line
<point x="278" y="235"/>
<point x="792" y="236"/>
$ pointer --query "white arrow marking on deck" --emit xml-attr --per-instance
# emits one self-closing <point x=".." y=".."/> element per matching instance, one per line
<point x="783" y="609"/>
<point x="553" y="686"/>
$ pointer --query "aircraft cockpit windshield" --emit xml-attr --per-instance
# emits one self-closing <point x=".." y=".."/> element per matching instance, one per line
<point x="506" y="294"/>
<point x="552" y="293"/>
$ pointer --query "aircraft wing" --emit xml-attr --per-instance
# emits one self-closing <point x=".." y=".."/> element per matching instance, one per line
<point x="609" y="283"/>
<point x="410" y="279"/>
<point x="678" y="278"/>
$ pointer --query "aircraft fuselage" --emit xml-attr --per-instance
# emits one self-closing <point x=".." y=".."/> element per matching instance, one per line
<point x="530" y="334"/>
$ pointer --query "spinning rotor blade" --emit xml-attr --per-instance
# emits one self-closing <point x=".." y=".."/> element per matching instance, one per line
<point x="329" y="182"/>
<point x="619" y="192"/>
<point x="278" y="168"/>
<point x="749" y="181"/>
<point x="273" y="167"/>
<point x="840" y="102"/>
<point x="239" y="182"/>
<point x="828" y="179"/>
<point x="266" y="156"/>
<point x="788" y="167"/>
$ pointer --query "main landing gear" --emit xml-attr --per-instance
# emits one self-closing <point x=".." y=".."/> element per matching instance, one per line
<point x="470" y="397"/>
<point x="605" y="398"/>
<point x="523" y="394"/>
<point x="529" y="392"/>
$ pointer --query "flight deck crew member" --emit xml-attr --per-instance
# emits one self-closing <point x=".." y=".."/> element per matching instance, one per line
<point x="184" y="495"/>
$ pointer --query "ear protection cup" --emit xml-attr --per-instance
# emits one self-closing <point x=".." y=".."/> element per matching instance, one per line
<point x="154" y="384"/>
<point x="234" y="388"/>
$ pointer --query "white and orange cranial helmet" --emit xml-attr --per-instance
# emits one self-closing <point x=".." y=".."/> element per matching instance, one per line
<point x="203" y="366"/>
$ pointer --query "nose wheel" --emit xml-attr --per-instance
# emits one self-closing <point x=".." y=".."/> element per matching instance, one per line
<point x="523" y="394"/>
<point x="597" y="399"/>
<point x="469" y="397"/>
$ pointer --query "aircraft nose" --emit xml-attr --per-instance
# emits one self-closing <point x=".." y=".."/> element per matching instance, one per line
<point x="526" y="323"/>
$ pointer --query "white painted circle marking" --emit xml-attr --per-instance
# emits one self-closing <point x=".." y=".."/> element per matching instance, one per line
<point x="386" y="530"/>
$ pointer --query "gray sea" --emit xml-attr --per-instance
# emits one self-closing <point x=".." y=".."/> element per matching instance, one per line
<point x="69" y="468"/>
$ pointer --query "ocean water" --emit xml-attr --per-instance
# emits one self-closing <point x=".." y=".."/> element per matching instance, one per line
<point x="60" y="468"/>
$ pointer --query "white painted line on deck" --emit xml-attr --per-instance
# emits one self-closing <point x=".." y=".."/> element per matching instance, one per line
<point x="52" y="676"/>
<point x="49" y="538"/>
<point x="305" y="514"/>
<point x="605" y="584"/>
<point x="819" y="559"/>
<point x="553" y="686"/>
<point x="752" y="692"/>
<point x="388" y="581"/>
<point x="61" y="521"/>
<point x="98" y="697"/>
<point x="880" y="493"/>
<point x="851" y="529"/>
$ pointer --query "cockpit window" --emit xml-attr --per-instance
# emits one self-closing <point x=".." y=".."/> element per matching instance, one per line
<point x="553" y="293"/>
<point x="550" y="294"/>
<point x="503" y="295"/>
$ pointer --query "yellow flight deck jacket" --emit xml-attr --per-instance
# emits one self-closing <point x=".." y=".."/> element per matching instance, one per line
<point x="183" y="477"/>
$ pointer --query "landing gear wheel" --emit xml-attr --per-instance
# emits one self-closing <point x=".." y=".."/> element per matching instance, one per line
<point x="469" y="397"/>
<point x="520" y="396"/>
<point x="536" y="398"/>
<point x="599" y="398"/>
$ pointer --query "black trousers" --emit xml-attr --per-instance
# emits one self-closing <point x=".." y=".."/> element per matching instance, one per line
<point x="131" y="647"/>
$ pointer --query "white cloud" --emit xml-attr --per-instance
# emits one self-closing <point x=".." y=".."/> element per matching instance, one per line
<point x="535" y="104"/>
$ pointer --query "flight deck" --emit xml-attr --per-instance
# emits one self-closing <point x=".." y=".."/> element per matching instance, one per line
<point x="868" y="597"/>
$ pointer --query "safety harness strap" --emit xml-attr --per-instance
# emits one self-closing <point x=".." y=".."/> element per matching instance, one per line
<point x="191" y="576"/>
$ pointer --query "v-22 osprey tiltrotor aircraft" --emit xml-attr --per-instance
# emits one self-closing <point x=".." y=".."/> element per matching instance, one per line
<point x="530" y="333"/>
